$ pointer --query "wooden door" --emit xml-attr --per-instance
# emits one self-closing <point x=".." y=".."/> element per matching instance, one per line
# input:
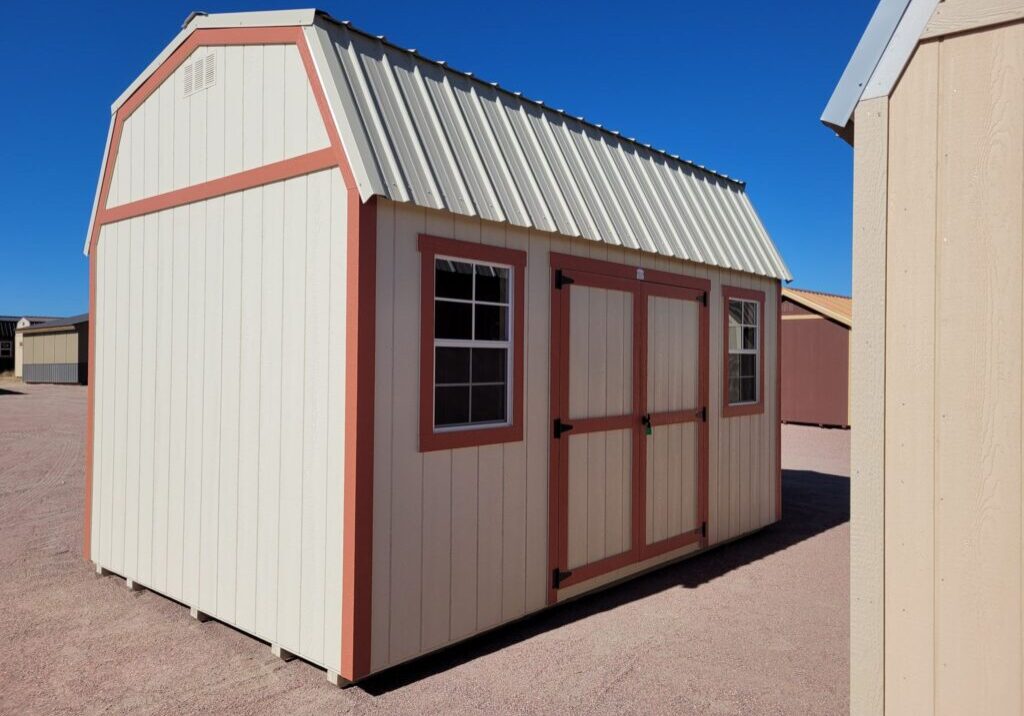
<point x="629" y="430"/>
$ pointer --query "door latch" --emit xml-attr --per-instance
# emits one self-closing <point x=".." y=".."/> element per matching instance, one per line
<point x="646" y="422"/>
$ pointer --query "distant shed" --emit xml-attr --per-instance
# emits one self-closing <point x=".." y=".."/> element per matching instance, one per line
<point x="387" y="356"/>
<point x="19" y="339"/>
<point x="816" y="358"/>
<point x="56" y="351"/>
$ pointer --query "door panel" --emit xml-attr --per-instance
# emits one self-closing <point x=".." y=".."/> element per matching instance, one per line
<point x="600" y="343"/>
<point x="672" y="354"/>
<point x="600" y="503"/>
<point x="671" y="476"/>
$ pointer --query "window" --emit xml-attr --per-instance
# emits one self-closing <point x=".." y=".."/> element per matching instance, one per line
<point x="5" y="349"/>
<point x="471" y="339"/>
<point x="744" y="351"/>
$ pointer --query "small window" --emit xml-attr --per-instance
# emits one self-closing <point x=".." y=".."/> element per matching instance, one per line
<point x="472" y="343"/>
<point x="6" y="349"/>
<point x="744" y="347"/>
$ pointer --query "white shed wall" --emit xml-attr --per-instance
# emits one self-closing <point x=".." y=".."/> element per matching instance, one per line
<point x="219" y="437"/>
<point x="460" y="537"/>
<point x="260" y="110"/>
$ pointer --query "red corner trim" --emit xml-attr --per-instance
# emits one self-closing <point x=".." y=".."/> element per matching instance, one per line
<point x="778" y="406"/>
<point x="429" y="247"/>
<point x="748" y="294"/>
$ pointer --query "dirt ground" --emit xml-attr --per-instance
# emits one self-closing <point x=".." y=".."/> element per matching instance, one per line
<point x="759" y="626"/>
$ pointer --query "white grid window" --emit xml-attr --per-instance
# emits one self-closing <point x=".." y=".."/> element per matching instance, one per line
<point x="472" y="343"/>
<point x="744" y="351"/>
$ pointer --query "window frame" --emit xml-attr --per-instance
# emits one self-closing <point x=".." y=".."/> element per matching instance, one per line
<point x="9" y="345"/>
<point x="735" y="293"/>
<point x="450" y="437"/>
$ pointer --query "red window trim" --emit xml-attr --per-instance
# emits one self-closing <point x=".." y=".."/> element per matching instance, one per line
<point x="746" y="294"/>
<point x="431" y="246"/>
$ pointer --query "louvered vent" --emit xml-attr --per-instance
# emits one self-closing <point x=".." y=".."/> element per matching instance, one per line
<point x="200" y="73"/>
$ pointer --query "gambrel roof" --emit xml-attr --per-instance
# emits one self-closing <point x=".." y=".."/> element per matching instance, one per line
<point x="416" y="130"/>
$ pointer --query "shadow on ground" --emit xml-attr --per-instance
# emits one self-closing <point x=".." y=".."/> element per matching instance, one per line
<point x="812" y="503"/>
<point x="6" y="391"/>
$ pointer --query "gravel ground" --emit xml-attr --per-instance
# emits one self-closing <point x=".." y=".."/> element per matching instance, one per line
<point x="759" y="626"/>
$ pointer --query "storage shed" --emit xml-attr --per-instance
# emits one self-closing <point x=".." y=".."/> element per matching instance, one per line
<point x="386" y="356"/>
<point x="933" y="99"/>
<point x="816" y="358"/>
<point x="19" y="339"/>
<point x="56" y="351"/>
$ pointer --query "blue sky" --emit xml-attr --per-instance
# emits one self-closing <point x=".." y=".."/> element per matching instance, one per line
<point x="737" y="86"/>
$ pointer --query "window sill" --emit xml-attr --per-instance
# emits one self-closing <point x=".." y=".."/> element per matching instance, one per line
<point x="732" y="411"/>
<point x="470" y="437"/>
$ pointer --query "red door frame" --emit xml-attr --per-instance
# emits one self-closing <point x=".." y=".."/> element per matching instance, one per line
<point x="641" y="284"/>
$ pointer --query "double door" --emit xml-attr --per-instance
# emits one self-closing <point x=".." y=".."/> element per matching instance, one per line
<point x="629" y="417"/>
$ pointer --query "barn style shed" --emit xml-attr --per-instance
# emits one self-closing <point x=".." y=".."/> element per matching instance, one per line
<point x="933" y="100"/>
<point x="816" y="358"/>
<point x="386" y="356"/>
<point x="55" y="351"/>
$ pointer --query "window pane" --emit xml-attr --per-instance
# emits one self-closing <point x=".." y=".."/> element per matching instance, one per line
<point x="491" y="284"/>
<point x="735" y="311"/>
<point x="453" y="320"/>
<point x="750" y="313"/>
<point x="734" y="336"/>
<point x="748" y="365"/>
<point x="491" y="323"/>
<point x="748" y="390"/>
<point x="451" y="406"/>
<point x="451" y="365"/>
<point x="453" y="279"/>
<point x="488" y="403"/>
<point x="489" y="365"/>
<point x="734" y="366"/>
<point x="750" y="338"/>
<point x="734" y="390"/>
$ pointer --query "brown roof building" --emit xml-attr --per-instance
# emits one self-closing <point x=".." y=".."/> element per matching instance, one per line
<point x="816" y="358"/>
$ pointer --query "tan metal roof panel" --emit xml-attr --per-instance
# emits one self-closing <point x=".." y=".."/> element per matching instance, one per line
<point x="839" y="308"/>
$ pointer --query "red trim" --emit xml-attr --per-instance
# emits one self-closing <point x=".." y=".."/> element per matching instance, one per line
<point x="266" y="174"/>
<point x="778" y="406"/>
<point x="729" y="292"/>
<point x="431" y="246"/>
<point x="90" y="429"/>
<point x="641" y="284"/>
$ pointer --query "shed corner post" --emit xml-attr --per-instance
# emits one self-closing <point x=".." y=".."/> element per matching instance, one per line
<point x="90" y="408"/>
<point x="867" y="443"/>
<point x="361" y="260"/>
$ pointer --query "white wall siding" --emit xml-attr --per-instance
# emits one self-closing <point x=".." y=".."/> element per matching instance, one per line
<point x="460" y="537"/>
<point x="260" y="110"/>
<point x="220" y="363"/>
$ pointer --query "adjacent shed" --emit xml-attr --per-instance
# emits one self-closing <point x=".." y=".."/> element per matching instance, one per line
<point x="55" y="351"/>
<point x="8" y="325"/>
<point x="933" y="100"/>
<point x="19" y="339"/>
<point x="386" y="356"/>
<point x="816" y="358"/>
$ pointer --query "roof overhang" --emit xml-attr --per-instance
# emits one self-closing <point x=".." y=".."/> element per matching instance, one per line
<point x="811" y="305"/>
<point x="879" y="59"/>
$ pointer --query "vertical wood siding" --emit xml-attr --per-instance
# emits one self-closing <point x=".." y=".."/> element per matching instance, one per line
<point x="218" y="458"/>
<point x="460" y="536"/>
<point x="259" y="111"/>
<point x="953" y="497"/>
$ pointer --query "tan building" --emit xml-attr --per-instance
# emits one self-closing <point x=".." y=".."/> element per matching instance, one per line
<point x="55" y="351"/>
<point x="390" y="356"/>
<point x="933" y="100"/>
<point x="19" y="339"/>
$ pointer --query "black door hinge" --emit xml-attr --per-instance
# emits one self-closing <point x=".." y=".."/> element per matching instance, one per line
<point x="702" y="414"/>
<point x="704" y="530"/>
<point x="703" y="298"/>
<point x="561" y="427"/>
<point x="558" y="576"/>
<point x="561" y="279"/>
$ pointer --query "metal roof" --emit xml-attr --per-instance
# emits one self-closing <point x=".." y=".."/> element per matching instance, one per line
<point x="838" y="308"/>
<point x="419" y="131"/>
<point x="415" y="130"/>
<point x="57" y="323"/>
<point x="879" y="59"/>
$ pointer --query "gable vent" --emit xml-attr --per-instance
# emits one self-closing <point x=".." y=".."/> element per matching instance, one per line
<point x="200" y="73"/>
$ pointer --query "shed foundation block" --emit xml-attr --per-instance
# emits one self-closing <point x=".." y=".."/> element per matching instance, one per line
<point x="338" y="680"/>
<point x="132" y="585"/>
<point x="282" y="654"/>
<point x="198" y="615"/>
<point x="101" y="572"/>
